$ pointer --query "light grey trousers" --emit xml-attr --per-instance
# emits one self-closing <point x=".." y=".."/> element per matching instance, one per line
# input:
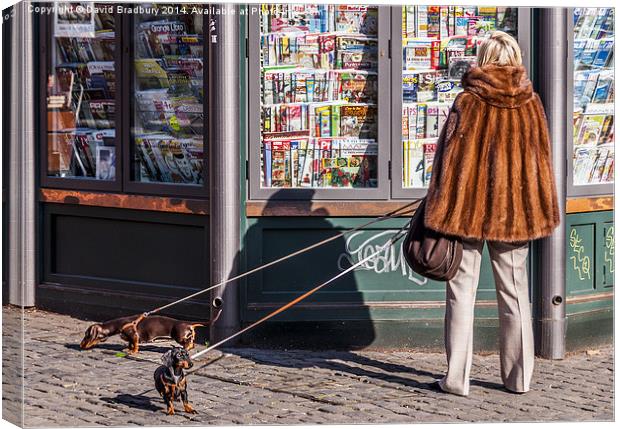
<point x="516" y="338"/>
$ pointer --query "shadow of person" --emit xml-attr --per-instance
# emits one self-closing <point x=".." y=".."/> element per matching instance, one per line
<point x="354" y="365"/>
<point x="336" y="312"/>
<point x="336" y="318"/>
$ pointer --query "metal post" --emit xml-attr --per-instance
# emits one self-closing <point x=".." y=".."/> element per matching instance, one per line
<point x="224" y="166"/>
<point x="22" y="168"/>
<point x="552" y="86"/>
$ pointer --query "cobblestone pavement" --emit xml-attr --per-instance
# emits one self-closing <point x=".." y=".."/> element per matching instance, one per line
<point x="66" y="386"/>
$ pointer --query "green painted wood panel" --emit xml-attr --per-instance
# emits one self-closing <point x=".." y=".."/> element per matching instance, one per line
<point x="384" y="279"/>
<point x="589" y="253"/>
<point x="580" y="252"/>
<point x="607" y="265"/>
<point x="589" y="271"/>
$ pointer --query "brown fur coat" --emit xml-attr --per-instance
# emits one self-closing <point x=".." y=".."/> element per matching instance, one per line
<point x="492" y="175"/>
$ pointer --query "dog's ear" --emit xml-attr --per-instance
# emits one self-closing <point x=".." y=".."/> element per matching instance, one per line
<point x="166" y="358"/>
<point x="96" y="331"/>
<point x="93" y="329"/>
<point x="89" y="331"/>
<point x="91" y="336"/>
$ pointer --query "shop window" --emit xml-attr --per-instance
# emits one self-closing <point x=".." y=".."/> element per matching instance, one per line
<point x="168" y="123"/>
<point x="438" y="45"/>
<point x="141" y="130"/>
<point x="317" y="96"/>
<point x="82" y="96"/>
<point x="316" y="74"/>
<point x="126" y="96"/>
<point x="592" y="102"/>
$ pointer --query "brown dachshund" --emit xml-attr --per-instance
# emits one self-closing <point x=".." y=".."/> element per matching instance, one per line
<point x="140" y="329"/>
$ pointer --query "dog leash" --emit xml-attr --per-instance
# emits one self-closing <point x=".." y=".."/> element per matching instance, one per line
<point x="212" y="361"/>
<point x="300" y="298"/>
<point x="390" y="215"/>
<point x="395" y="237"/>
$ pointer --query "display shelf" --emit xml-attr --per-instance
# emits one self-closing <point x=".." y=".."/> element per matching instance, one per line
<point x="315" y="78"/>
<point x="168" y="93"/>
<point x="305" y="208"/>
<point x="592" y="149"/>
<point x="81" y="95"/>
<point x="439" y="44"/>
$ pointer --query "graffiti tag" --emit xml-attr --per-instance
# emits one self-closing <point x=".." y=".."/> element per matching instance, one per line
<point x="609" y="248"/>
<point x="581" y="262"/>
<point x="390" y="260"/>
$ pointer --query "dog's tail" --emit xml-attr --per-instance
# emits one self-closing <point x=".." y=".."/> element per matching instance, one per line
<point x="197" y="324"/>
<point x="210" y="322"/>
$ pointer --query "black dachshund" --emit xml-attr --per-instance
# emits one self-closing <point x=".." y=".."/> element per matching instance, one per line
<point x="170" y="379"/>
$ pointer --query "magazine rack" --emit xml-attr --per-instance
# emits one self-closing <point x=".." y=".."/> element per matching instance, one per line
<point x="590" y="73"/>
<point x="185" y="171"/>
<point x="398" y="156"/>
<point x="67" y="126"/>
<point x="425" y="97"/>
<point x="344" y="118"/>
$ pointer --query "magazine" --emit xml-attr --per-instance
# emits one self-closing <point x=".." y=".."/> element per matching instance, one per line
<point x="75" y="19"/>
<point x="432" y="121"/>
<point x="358" y="121"/>
<point x="458" y="66"/>
<point x="354" y="87"/>
<point x="426" y="86"/>
<point x="356" y="52"/>
<point x="417" y="54"/>
<point x="150" y="74"/>
<point x="591" y="127"/>
<point x="410" y="87"/>
<point x="429" y="155"/>
<point x="106" y="160"/>
<point x="414" y="163"/>
<point x="357" y="19"/>
<point x="604" y="87"/>
<point x="170" y="159"/>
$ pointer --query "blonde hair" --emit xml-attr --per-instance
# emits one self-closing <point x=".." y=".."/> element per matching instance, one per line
<point x="500" y="49"/>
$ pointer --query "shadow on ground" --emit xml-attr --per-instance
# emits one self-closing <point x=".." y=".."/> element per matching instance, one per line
<point x="119" y="348"/>
<point x="133" y="401"/>
<point x="346" y="362"/>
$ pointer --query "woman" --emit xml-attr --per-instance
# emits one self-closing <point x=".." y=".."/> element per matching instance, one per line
<point x="492" y="181"/>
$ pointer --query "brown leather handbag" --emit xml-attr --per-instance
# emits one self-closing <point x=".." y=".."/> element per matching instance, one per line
<point x="430" y="253"/>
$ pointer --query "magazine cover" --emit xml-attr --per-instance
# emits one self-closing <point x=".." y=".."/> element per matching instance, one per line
<point x="106" y="157"/>
<point x="237" y="214"/>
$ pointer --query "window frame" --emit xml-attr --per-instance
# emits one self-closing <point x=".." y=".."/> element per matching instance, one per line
<point x="123" y="63"/>
<point x="573" y="190"/>
<point x="47" y="46"/>
<point x="256" y="192"/>
<point x="524" y="27"/>
<point x="160" y="188"/>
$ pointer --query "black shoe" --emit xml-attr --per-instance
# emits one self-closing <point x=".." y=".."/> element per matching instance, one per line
<point x="514" y="392"/>
<point x="435" y="386"/>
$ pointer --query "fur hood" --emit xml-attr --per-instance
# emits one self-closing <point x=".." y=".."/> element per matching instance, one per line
<point x="492" y="176"/>
<point x="501" y="86"/>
